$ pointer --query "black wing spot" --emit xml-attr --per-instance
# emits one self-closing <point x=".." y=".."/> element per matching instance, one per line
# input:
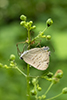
<point x="47" y="63"/>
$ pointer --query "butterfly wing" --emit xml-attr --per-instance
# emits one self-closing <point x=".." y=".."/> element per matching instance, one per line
<point x="38" y="58"/>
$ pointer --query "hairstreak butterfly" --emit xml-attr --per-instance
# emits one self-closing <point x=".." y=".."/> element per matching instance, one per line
<point x="37" y="57"/>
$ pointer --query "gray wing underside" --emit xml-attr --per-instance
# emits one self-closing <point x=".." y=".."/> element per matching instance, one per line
<point x="38" y="58"/>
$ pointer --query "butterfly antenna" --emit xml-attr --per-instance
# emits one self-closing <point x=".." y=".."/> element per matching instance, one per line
<point x="52" y="46"/>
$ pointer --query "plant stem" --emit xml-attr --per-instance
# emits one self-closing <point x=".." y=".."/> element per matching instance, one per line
<point x="28" y="38"/>
<point x="28" y="86"/>
<point x="21" y="71"/>
<point x="54" y="97"/>
<point x="39" y="34"/>
<point x="45" y="29"/>
<point x="28" y="77"/>
<point x="49" y="88"/>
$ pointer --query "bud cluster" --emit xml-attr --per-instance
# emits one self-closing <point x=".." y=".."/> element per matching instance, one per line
<point x="27" y="25"/>
<point x="12" y="62"/>
<point x="36" y="86"/>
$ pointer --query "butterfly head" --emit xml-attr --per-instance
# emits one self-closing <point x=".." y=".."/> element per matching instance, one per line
<point x="46" y="48"/>
<point x="21" y="56"/>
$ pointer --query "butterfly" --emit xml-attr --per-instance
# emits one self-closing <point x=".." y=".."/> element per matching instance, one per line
<point x="37" y="57"/>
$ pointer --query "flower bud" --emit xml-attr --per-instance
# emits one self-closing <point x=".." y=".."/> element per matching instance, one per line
<point x="34" y="80"/>
<point x="39" y="88"/>
<point x="5" y="66"/>
<point x="55" y="80"/>
<point x="50" y="79"/>
<point x="12" y="65"/>
<point x="43" y="36"/>
<point x="39" y="97"/>
<point x="23" y="17"/>
<point x="48" y="37"/>
<point x="31" y="22"/>
<point x="33" y="27"/>
<point x="12" y="62"/>
<point x="50" y="74"/>
<point x="64" y="91"/>
<point x="59" y="74"/>
<point x="33" y="92"/>
<point x="12" y="57"/>
<point x="22" y="23"/>
<point x="43" y="96"/>
<point x="26" y="41"/>
<point x="49" y="22"/>
<point x="1" y="65"/>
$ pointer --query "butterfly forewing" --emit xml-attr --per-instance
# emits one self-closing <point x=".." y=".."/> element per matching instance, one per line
<point x="37" y="57"/>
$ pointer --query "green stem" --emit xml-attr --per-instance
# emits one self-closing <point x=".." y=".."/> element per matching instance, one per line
<point x="45" y="29"/>
<point x="28" y="77"/>
<point x="39" y="34"/>
<point x="54" y="97"/>
<point x="28" y="36"/>
<point x="49" y="88"/>
<point x="28" y="86"/>
<point x="21" y="71"/>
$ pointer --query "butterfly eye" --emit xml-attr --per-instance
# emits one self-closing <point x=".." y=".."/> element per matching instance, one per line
<point x="21" y="58"/>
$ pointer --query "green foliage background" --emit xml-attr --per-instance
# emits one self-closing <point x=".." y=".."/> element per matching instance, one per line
<point x="12" y="83"/>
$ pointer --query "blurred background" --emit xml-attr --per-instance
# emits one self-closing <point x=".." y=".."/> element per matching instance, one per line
<point x="12" y="83"/>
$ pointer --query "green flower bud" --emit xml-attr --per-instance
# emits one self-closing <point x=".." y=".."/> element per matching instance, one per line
<point x="23" y="17"/>
<point x="39" y="97"/>
<point x="31" y="22"/>
<point x="28" y="24"/>
<point x="49" y="22"/>
<point x="34" y="80"/>
<point x="43" y="96"/>
<point x="12" y="62"/>
<point x="55" y="80"/>
<point x="50" y="79"/>
<point x="59" y="74"/>
<point x="41" y="33"/>
<point x="33" y="27"/>
<point x="50" y="74"/>
<point x="12" y="65"/>
<point x="33" y="92"/>
<point x="12" y="57"/>
<point x="5" y="66"/>
<point x="48" y="37"/>
<point x="64" y="91"/>
<point x="43" y="36"/>
<point x="1" y="65"/>
<point x="22" y="23"/>
<point x="39" y="88"/>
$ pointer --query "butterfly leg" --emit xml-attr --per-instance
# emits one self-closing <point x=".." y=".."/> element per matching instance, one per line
<point x="18" y="51"/>
<point x="38" y="44"/>
<point x="24" y="48"/>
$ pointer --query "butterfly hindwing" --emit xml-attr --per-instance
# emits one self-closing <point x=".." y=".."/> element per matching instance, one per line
<point x="38" y="58"/>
